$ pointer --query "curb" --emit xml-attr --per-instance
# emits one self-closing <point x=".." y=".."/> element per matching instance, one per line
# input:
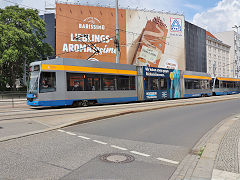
<point x="201" y="168"/>
<point x="110" y="115"/>
<point x="205" y="165"/>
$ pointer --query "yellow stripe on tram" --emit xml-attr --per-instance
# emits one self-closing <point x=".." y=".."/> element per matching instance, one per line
<point x="228" y="79"/>
<point x="86" y="69"/>
<point x="196" y="77"/>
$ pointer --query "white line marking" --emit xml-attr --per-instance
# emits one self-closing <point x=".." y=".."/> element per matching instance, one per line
<point x="168" y="160"/>
<point x="117" y="147"/>
<point x="141" y="154"/>
<point x="100" y="142"/>
<point x="61" y="130"/>
<point x="71" y="133"/>
<point x="83" y="137"/>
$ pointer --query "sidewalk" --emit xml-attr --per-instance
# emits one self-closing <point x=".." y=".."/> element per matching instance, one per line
<point x="217" y="157"/>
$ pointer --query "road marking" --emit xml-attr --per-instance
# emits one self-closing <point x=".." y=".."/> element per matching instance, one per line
<point x="117" y="147"/>
<point x="121" y="148"/>
<point x="70" y="133"/>
<point x="168" y="160"/>
<point x="141" y="154"/>
<point x="83" y="137"/>
<point x="100" y="142"/>
<point x="61" y="130"/>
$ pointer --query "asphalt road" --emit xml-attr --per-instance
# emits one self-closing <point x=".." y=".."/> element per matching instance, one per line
<point x="157" y="140"/>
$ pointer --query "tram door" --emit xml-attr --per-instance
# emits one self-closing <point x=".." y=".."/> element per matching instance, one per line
<point x="164" y="92"/>
<point x="156" y="88"/>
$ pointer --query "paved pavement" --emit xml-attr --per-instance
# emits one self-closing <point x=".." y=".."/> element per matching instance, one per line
<point x="72" y="154"/>
<point x="220" y="156"/>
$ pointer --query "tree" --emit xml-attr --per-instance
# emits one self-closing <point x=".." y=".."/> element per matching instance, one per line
<point x="21" y="42"/>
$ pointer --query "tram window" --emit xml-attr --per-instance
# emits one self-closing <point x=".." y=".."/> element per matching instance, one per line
<point x="211" y="84"/>
<point x="146" y="79"/>
<point x="196" y="84"/>
<point x="188" y="84"/>
<point x="123" y="82"/>
<point x="154" y="85"/>
<point x="132" y="83"/>
<point x="192" y="84"/>
<point x="109" y="83"/>
<point x="93" y="82"/>
<point x="163" y="84"/>
<point x="75" y="82"/>
<point x="238" y="85"/>
<point x="47" y="82"/>
<point x="204" y="84"/>
<point x="216" y="83"/>
<point x="224" y="84"/>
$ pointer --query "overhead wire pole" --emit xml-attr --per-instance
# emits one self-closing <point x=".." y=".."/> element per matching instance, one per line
<point x="117" y="35"/>
<point x="237" y="68"/>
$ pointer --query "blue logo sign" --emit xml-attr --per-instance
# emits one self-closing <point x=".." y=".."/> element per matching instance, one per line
<point x="176" y="25"/>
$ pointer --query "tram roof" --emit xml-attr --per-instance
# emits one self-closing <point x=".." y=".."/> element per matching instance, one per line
<point x="85" y="63"/>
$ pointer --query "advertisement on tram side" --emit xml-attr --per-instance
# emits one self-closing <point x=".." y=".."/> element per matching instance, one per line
<point x="161" y="83"/>
<point x="152" y="39"/>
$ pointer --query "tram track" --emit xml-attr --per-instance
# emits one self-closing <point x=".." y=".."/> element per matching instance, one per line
<point x="45" y="112"/>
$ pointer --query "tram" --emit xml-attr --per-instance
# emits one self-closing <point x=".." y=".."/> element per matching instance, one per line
<point x="224" y="86"/>
<point x="74" y="82"/>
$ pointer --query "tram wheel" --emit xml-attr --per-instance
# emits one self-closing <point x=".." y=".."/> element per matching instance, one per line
<point x="84" y="103"/>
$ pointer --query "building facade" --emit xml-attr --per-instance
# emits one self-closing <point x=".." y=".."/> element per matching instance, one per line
<point x="50" y="21"/>
<point x="218" y="57"/>
<point x="195" y="48"/>
<point x="232" y="38"/>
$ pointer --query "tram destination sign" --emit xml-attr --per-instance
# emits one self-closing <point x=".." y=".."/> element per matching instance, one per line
<point x="157" y="72"/>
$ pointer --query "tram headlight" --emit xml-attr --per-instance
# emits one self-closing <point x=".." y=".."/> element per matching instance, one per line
<point x="35" y="95"/>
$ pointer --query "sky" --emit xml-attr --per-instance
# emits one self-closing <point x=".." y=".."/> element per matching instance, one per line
<point x="212" y="15"/>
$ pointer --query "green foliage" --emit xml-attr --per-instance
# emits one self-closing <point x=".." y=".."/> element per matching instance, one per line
<point x="21" y="35"/>
<point x="201" y="151"/>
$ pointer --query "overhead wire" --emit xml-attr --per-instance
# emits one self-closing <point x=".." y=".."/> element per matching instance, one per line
<point x="122" y="30"/>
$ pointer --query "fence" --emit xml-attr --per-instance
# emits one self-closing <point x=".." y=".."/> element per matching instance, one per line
<point x="6" y="95"/>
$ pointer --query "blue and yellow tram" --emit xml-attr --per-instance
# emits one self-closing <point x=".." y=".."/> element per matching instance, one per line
<point x="62" y="82"/>
<point x="224" y="86"/>
<point x="74" y="82"/>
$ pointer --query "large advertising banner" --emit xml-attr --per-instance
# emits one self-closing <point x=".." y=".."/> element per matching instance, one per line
<point x="157" y="39"/>
<point x="147" y="38"/>
<point x="87" y="32"/>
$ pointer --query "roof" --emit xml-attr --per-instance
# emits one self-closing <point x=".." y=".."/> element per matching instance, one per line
<point x="210" y="35"/>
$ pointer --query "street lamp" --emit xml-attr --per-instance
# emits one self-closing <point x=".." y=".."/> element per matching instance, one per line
<point x="236" y="27"/>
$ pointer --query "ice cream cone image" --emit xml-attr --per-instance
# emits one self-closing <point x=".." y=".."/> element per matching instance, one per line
<point x="152" y="43"/>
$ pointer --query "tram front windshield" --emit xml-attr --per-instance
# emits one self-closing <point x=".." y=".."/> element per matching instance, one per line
<point x="33" y="83"/>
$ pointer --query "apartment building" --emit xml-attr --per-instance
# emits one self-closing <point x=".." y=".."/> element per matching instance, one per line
<point x="218" y="57"/>
<point x="232" y="38"/>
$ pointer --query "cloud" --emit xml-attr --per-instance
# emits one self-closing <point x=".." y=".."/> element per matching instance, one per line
<point x="193" y="6"/>
<point x="169" y="5"/>
<point x="220" y="18"/>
